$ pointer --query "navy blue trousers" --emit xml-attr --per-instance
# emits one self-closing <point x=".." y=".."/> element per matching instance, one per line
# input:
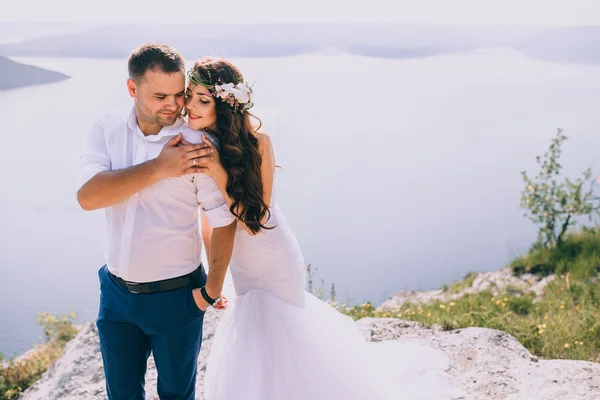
<point x="130" y="326"/>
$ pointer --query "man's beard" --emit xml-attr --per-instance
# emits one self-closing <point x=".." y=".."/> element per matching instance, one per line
<point x="164" y="120"/>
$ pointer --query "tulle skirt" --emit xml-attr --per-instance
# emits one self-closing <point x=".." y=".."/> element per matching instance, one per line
<point x="268" y="349"/>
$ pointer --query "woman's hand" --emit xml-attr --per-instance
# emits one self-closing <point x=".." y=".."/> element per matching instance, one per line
<point x="222" y="304"/>
<point x="203" y="304"/>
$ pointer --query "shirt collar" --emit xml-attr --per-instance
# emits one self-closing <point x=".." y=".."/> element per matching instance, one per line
<point x="166" y="131"/>
<point x="132" y="120"/>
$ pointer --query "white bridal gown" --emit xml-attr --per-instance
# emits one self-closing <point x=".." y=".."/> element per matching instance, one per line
<point x="278" y="342"/>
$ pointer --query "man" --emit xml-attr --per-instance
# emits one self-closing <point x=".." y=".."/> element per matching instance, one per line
<point x="153" y="288"/>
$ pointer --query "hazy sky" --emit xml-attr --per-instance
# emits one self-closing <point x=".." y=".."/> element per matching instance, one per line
<point x="522" y="12"/>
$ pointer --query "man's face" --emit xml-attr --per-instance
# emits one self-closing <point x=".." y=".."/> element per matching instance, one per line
<point x="159" y="97"/>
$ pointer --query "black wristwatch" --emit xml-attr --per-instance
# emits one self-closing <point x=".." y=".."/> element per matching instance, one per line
<point x="206" y="297"/>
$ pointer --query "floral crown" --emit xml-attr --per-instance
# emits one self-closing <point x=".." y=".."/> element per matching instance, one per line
<point x="237" y="95"/>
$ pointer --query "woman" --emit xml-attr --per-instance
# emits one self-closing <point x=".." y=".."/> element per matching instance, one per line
<point x="276" y="341"/>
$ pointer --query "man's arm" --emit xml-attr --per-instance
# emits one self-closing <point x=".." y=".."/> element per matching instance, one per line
<point x="107" y="188"/>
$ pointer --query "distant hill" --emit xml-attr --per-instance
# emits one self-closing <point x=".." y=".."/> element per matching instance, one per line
<point x="14" y="75"/>
<point x="579" y="45"/>
<point x="384" y="40"/>
<point x="267" y="40"/>
<point x="19" y="30"/>
<point x="192" y="41"/>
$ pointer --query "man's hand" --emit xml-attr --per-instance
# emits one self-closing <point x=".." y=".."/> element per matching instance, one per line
<point x="200" y="302"/>
<point x="210" y="166"/>
<point x="178" y="158"/>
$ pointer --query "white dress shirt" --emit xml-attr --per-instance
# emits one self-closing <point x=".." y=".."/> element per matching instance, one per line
<point x="152" y="235"/>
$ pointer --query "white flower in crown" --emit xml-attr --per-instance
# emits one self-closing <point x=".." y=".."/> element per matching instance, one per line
<point x="240" y="92"/>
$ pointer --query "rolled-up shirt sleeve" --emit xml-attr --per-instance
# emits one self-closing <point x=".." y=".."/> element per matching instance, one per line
<point x="212" y="202"/>
<point x="94" y="158"/>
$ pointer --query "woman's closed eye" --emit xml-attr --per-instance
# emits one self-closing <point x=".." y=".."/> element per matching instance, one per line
<point x="201" y="98"/>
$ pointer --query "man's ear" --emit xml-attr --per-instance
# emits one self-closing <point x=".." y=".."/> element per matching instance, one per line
<point x="131" y="88"/>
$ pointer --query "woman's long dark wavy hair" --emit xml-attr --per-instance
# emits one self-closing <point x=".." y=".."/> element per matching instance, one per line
<point x="239" y="146"/>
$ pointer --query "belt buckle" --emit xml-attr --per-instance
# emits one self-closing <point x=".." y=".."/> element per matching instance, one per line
<point x="130" y="286"/>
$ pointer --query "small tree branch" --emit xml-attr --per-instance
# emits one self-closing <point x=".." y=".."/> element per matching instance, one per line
<point x="563" y="230"/>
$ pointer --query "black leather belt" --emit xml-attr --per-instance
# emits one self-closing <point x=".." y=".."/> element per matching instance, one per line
<point x="162" y="285"/>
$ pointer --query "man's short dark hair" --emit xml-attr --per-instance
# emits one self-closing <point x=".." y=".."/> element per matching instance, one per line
<point x="154" y="56"/>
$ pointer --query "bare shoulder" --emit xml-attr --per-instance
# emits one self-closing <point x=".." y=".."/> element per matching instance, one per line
<point x="264" y="143"/>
